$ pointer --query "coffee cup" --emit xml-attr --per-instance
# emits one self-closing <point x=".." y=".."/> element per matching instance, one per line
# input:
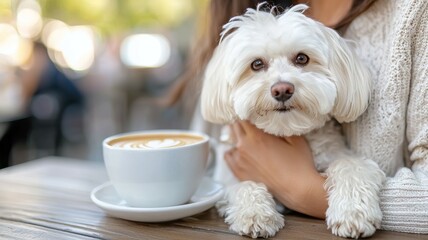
<point x="158" y="168"/>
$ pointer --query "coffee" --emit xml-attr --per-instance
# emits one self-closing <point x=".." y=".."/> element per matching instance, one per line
<point x="155" y="141"/>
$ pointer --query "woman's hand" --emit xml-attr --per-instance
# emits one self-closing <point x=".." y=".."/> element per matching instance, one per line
<point x="284" y="165"/>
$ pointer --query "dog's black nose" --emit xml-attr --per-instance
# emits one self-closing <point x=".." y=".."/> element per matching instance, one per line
<point x="282" y="91"/>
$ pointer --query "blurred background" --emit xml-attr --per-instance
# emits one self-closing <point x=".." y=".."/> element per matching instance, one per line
<point x="74" y="72"/>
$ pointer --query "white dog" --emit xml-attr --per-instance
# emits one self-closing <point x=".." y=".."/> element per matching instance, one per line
<point x="290" y="75"/>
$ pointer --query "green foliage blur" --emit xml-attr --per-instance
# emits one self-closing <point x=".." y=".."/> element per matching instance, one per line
<point x="112" y="16"/>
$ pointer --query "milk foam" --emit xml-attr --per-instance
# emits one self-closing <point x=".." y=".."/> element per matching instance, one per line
<point x="151" y="144"/>
<point x="155" y="141"/>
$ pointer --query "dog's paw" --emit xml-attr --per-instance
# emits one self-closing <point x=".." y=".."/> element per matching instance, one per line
<point x="250" y="210"/>
<point x="222" y="206"/>
<point x="257" y="224"/>
<point x="354" y="224"/>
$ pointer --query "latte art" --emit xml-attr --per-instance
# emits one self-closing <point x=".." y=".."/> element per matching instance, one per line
<point x="153" y="144"/>
<point x="157" y="141"/>
<point x="165" y="143"/>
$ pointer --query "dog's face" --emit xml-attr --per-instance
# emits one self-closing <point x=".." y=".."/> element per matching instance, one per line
<point x="286" y="74"/>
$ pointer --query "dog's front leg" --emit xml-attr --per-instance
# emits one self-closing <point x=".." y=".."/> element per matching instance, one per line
<point x="353" y="185"/>
<point x="249" y="209"/>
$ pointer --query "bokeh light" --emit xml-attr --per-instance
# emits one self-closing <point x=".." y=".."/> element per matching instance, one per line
<point x="78" y="48"/>
<point x="13" y="49"/>
<point x="145" y="50"/>
<point x="28" y="19"/>
<point x="70" y="47"/>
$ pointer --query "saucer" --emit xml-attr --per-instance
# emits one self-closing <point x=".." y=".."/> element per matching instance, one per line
<point x="208" y="193"/>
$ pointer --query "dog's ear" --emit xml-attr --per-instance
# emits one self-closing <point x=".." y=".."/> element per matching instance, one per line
<point x="216" y="99"/>
<point x="352" y="79"/>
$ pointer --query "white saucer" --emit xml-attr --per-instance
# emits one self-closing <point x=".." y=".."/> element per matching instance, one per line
<point x="208" y="193"/>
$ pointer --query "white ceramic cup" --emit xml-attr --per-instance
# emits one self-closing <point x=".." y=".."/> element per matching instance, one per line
<point x="156" y="176"/>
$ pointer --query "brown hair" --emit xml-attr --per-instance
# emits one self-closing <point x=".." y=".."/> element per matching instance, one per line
<point x="219" y="12"/>
<point x="358" y="7"/>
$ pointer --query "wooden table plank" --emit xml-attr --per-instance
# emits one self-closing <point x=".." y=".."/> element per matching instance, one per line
<point x="49" y="198"/>
<point x="20" y="230"/>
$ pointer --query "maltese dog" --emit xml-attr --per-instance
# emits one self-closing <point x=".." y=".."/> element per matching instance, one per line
<point x="290" y="75"/>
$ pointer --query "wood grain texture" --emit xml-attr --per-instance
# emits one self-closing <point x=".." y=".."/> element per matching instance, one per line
<point x="49" y="199"/>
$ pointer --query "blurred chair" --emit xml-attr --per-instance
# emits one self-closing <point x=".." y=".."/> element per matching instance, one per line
<point x="14" y="130"/>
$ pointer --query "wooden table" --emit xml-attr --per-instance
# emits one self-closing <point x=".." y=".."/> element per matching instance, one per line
<point x="49" y="199"/>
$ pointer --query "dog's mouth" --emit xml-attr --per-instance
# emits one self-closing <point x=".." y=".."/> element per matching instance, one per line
<point x="284" y="109"/>
<point x="279" y="109"/>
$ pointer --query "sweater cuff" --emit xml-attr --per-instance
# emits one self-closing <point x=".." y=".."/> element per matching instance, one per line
<point x="404" y="202"/>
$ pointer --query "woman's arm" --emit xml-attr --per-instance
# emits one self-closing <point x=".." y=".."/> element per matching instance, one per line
<point x="404" y="198"/>
<point x="284" y="165"/>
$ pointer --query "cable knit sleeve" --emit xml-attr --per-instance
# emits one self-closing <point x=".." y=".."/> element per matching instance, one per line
<point x="404" y="198"/>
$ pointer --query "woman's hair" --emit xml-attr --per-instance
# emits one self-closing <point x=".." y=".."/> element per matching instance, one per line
<point x="358" y="7"/>
<point x="218" y="13"/>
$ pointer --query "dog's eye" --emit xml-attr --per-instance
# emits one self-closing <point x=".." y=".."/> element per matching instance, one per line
<point x="302" y="59"/>
<point x="257" y="65"/>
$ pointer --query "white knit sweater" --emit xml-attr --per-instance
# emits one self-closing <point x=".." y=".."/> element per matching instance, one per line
<point x="392" y="38"/>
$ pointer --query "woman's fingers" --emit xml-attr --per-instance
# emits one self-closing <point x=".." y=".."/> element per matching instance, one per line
<point x="228" y="156"/>
<point x="238" y="130"/>
<point x="295" y="140"/>
<point x="249" y="128"/>
<point x="231" y="160"/>
<point x="237" y="163"/>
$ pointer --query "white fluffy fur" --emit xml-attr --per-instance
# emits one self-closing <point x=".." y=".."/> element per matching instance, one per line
<point x="334" y="84"/>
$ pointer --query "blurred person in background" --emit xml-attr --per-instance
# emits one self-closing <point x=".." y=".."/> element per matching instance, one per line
<point x="56" y="107"/>
<point x="392" y="38"/>
<point x="52" y="107"/>
<point x="14" y="119"/>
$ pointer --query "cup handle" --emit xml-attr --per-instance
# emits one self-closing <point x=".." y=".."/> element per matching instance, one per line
<point x="226" y="138"/>
<point x="212" y="154"/>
